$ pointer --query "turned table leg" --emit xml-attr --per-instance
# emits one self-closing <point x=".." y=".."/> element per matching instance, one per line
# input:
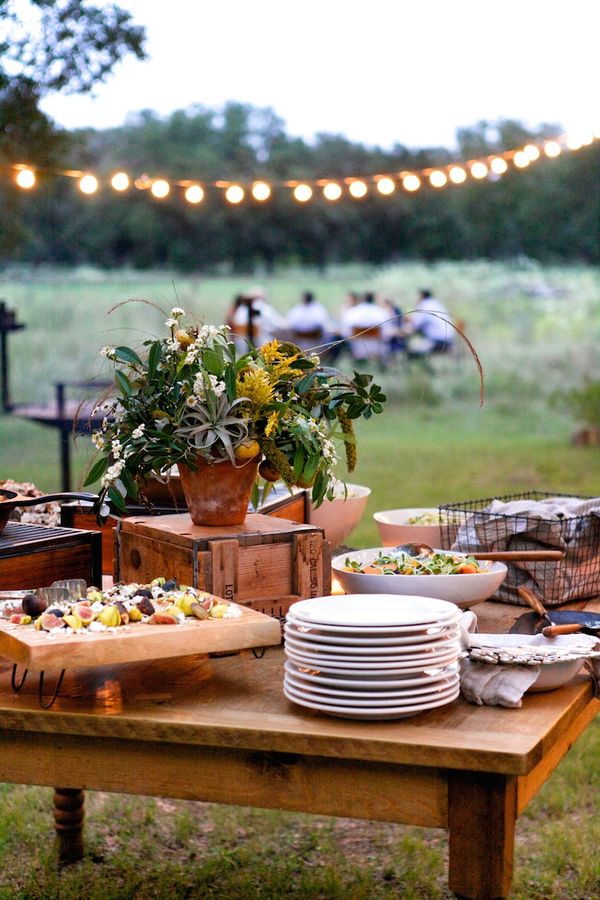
<point x="68" y="822"/>
<point x="482" y="812"/>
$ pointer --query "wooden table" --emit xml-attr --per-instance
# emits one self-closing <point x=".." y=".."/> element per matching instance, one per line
<point x="232" y="737"/>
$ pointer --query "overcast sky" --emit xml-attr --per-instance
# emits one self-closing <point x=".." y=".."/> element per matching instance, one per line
<point x="377" y="71"/>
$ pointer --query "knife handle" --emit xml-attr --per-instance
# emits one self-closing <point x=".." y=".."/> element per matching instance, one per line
<point x="554" y="630"/>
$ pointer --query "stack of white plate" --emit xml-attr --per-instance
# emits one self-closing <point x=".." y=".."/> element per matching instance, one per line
<point x="372" y="656"/>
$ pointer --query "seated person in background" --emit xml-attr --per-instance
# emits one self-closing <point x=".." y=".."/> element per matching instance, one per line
<point x="434" y="333"/>
<point x="254" y="319"/>
<point x="396" y="332"/>
<point x="369" y="317"/>
<point x="308" y="322"/>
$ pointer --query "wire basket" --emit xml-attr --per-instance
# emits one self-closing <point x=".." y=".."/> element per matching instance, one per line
<point x="471" y="526"/>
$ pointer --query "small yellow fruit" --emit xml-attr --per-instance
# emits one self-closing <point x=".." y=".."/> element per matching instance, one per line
<point x="247" y="450"/>
<point x="184" y="603"/>
<point x="135" y="614"/>
<point x="73" y="622"/>
<point x="218" y="610"/>
<point x="184" y="338"/>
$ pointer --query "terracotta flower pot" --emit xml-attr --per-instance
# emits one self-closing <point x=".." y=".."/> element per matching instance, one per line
<point x="218" y="494"/>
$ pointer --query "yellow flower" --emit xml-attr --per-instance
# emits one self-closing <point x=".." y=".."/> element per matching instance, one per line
<point x="272" y="423"/>
<point x="270" y="352"/>
<point x="278" y="359"/>
<point x="256" y="386"/>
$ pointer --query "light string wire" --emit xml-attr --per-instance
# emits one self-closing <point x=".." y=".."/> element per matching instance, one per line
<point x="492" y="165"/>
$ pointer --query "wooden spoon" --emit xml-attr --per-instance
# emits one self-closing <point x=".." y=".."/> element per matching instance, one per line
<point x="415" y="549"/>
<point x="551" y="630"/>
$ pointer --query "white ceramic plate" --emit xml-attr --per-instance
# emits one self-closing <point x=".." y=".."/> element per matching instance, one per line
<point x="372" y="631"/>
<point x="462" y="590"/>
<point x="339" y="667"/>
<point x="349" y="681"/>
<point x="343" y="712"/>
<point x="418" y="691"/>
<point x="370" y="654"/>
<point x="342" y="640"/>
<point x="363" y="702"/>
<point x="374" y="609"/>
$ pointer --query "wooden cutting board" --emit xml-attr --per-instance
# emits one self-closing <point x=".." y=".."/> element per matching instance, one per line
<point x="41" y="650"/>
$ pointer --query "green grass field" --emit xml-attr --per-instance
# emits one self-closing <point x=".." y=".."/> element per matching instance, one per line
<point x="536" y="331"/>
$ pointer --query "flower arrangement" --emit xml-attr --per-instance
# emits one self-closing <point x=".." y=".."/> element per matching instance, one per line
<point x="193" y="393"/>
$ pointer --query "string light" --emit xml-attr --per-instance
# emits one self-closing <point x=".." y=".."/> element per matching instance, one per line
<point x="261" y="191"/>
<point x="411" y="182"/>
<point x="358" y="189"/>
<point x="457" y="175"/>
<point x="386" y="186"/>
<point x="120" y="181"/>
<point x="194" y="194"/>
<point x="25" y="178"/>
<point x="88" y="184"/>
<point x="333" y="189"/>
<point x="479" y="170"/>
<point x="498" y="165"/>
<point x="303" y="193"/>
<point x="438" y="178"/>
<point x="552" y="149"/>
<point x="234" y="194"/>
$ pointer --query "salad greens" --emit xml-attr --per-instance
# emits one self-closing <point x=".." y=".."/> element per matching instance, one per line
<point x="403" y="564"/>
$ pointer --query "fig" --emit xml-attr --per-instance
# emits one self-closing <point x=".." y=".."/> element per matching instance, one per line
<point x="110" y="616"/>
<point x="162" y="619"/>
<point x="145" y="606"/>
<point x="143" y="592"/>
<point x="268" y="471"/>
<point x="123" y="612"/>
<point x="84" y="612"/>
<point x="33" y="605"/>
<point x="20" y="619"/>
<point x="199" y="611"/>
<point x="157" y="582"/>
<point x="49" y="620"/>
<point x="93" y="595"/>
<point x="73" y="621"/>
<point x="170" y="585"/>
<point x="218" y="610"/>
<point x="135" y="614"/>
<point x="185" y="603"/>
<point x="56" y="611"/>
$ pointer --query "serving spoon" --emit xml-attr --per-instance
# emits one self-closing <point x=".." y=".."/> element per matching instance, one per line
<point x="424" y="550"/>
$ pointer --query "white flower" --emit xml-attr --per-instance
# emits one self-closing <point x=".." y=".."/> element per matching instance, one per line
<point x="116" y="448"/>
<point x="109" y="352"/>
<point x="98" y="440"/>
<point x="112" y="473"/>
<point x="138" y="432"/>
<point x="177" y="312"/>
<point x="171" y="323"/>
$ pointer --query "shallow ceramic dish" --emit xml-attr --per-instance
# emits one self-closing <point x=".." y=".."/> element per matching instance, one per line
<point x="463" y="590"/>
<point x="340" y="516"/>
<point x="552" y="674"/>
<point x="394" y="528"/>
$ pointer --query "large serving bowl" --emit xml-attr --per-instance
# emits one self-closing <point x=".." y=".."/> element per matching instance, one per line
<point x="464" y="590"/>
<point x="340" y="516"/>
<point x="394" y="528"/>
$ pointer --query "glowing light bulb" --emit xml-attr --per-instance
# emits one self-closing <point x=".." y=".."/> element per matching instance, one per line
<point x="358" y="189"/>
<point x="386" y="186"/>
<point x="88" y="184"/>
<point x="531" y="152"/>
<point x="302" y="193"/>
<point x="520" y="159"/>
<point x="411" y="183"/>
<point x="498" y="165"/>
<point x="234" y="194"/>
<point x="194" y="194"/>
<point x="261" y="191"/>
<point x="25" y="178"/>
<point x="160" y="189"/>
<point x="552" y="149"/>
<point x="332" y="191"/>
<point x="457" y="175"/>
<point x="120" y="181"/>
<point x="438" y="178"/>
<point x="479" y="170"/>
<point x="574" y="142"/>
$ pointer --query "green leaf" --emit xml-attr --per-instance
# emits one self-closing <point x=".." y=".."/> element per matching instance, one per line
<point x="229" y="379"/>
<point x="127" y="355"/>
<point x="97" y="471"/>
<point x="305" y="383"/>
<point x="213" y="361"/>
<point x="123" y="383"/>
<point x="116" y="499"/>
<point x="154" y="358"/>
<point x="299" y="458"/>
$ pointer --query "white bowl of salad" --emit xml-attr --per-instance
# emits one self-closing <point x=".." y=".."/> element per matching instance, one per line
<point x="412" y="524"/>
<point x="446" y="575"/>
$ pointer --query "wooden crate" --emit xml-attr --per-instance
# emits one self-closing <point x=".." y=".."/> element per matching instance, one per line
<point x="33" y="556"/>
<point x="264" y="561"/>
<point x="77" y="514"/>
